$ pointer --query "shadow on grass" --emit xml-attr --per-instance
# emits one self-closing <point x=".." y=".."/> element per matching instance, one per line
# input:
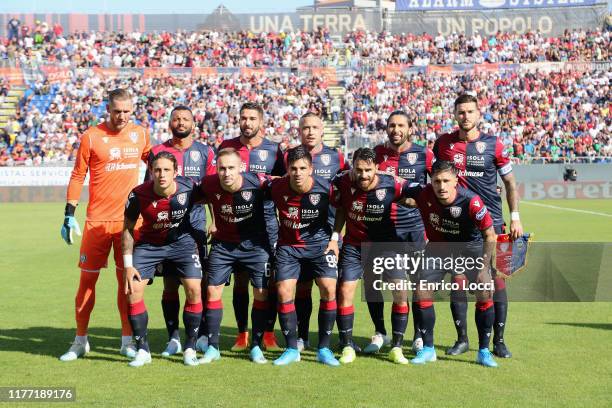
<point x="105" y="341"/>
<point x="600" y="326"/>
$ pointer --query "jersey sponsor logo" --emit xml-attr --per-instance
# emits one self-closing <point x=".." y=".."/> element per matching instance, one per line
<point x="105" y="139"/>
<point x="458" y="159"/>
<point x="226" y="209"/>
<point x="120" y="166"/>
<point x="182" y="198"/>
<point x="263" y="155"/>
<point x="381" y="193"/>
<point x="195" y="155"/>
<point x="133" y="137"/>
<point x="131" y="152"/>
<point x="325" y="159"/>
<point x="246" y="195"/>
<point x="481" y="147"/>
<point x="114" y="153"/>
<point x="163" y="216"/>
<point x="412" y="158"/>
<point x="357" y="206"/>
<point x="434" y="218"/>
<point x="243" y="167"/>
<point x="293" y="212"/>
<point x="481" y="214"/>
<point x="465" y="173"/>
<point x="314" y="198"/>
<point x="476" y="161"/>
<point x="391" y="171"/>
<point x="455" y="211"/>
<point x="177" y="214"/>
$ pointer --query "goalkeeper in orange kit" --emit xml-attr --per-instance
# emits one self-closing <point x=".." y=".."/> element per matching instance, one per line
<point x="111" y="152"/>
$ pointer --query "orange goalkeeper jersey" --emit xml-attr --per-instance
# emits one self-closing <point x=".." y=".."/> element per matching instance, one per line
<point x="113" y="160"/>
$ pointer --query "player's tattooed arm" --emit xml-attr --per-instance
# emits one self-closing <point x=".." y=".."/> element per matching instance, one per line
<point x="488" y="249"/>
<point x="338" y="225"/>
<point x="512" y="196"/>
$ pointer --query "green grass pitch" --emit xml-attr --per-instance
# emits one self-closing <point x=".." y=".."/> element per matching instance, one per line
<point x="561" y="350"/>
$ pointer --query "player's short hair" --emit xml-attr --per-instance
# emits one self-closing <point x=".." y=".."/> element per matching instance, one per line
<point x="119" y="94"/>
<point x="440" y="166"/>
<point x="465" y="98"/>
<point x="398" y="113"/>
<point x="165" y="155"/>
<point x="309" y="114"/>
<point x="181" y="108"/>
<point x="228" y="151"/>
<point x="252" y="106"/>
<point x="364" y="153"/>
<point x="296" y="153"/>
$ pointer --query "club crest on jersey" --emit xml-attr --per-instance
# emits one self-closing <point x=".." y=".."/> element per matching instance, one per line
<point x="412" y="158"/>
<point x="195" y="155"/>
<point x="263" y="155"/>
<point x="293" y="212"/>
<point x="455" y="211"/>
<point x="182" y="198"/>
<point x="434" y="218"/>
<point x="381" y="193"/>
<point x="133" y="137"/>
<point x="458" y="159"/>
<point x="114" y="153"/>
<point x="105" y="139"/>
<point x="314" y="198"/>
<point x="325" y="159"/>
<point x="246" y="195"/>
<point x="481" y="147"/>
<point x="162" y="216"/>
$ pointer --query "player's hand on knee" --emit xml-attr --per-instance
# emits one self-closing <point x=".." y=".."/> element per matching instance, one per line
<point x="333" y="247"/>
<point x="130" y="275"/>
<point x="70" y="225"/>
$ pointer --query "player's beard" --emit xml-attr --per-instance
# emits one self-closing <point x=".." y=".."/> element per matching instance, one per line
<point x="403" y="140"/>
<point x="178" y="134"/>
<point x="254" y="132"/>
<point x="465" y="128"/>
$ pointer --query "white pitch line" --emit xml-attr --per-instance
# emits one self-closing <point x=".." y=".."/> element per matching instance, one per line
<point x="567" y="209"/>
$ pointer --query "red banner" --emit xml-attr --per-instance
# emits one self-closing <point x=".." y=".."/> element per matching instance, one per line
<point x="13" y="75"/>
<point x="56" y="74"/>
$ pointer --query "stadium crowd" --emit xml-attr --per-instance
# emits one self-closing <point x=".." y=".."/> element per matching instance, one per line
<point x="43" y="43"/>
<point x="555" y="116"/>
<point x="422" y="50"/>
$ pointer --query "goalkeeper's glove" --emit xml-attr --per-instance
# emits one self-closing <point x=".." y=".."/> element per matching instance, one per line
<point x="70" y="224"/>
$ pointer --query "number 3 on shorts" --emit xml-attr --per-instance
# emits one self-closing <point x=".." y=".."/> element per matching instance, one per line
<point x="331" y="260"/>
<point x="196" y="261"/>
